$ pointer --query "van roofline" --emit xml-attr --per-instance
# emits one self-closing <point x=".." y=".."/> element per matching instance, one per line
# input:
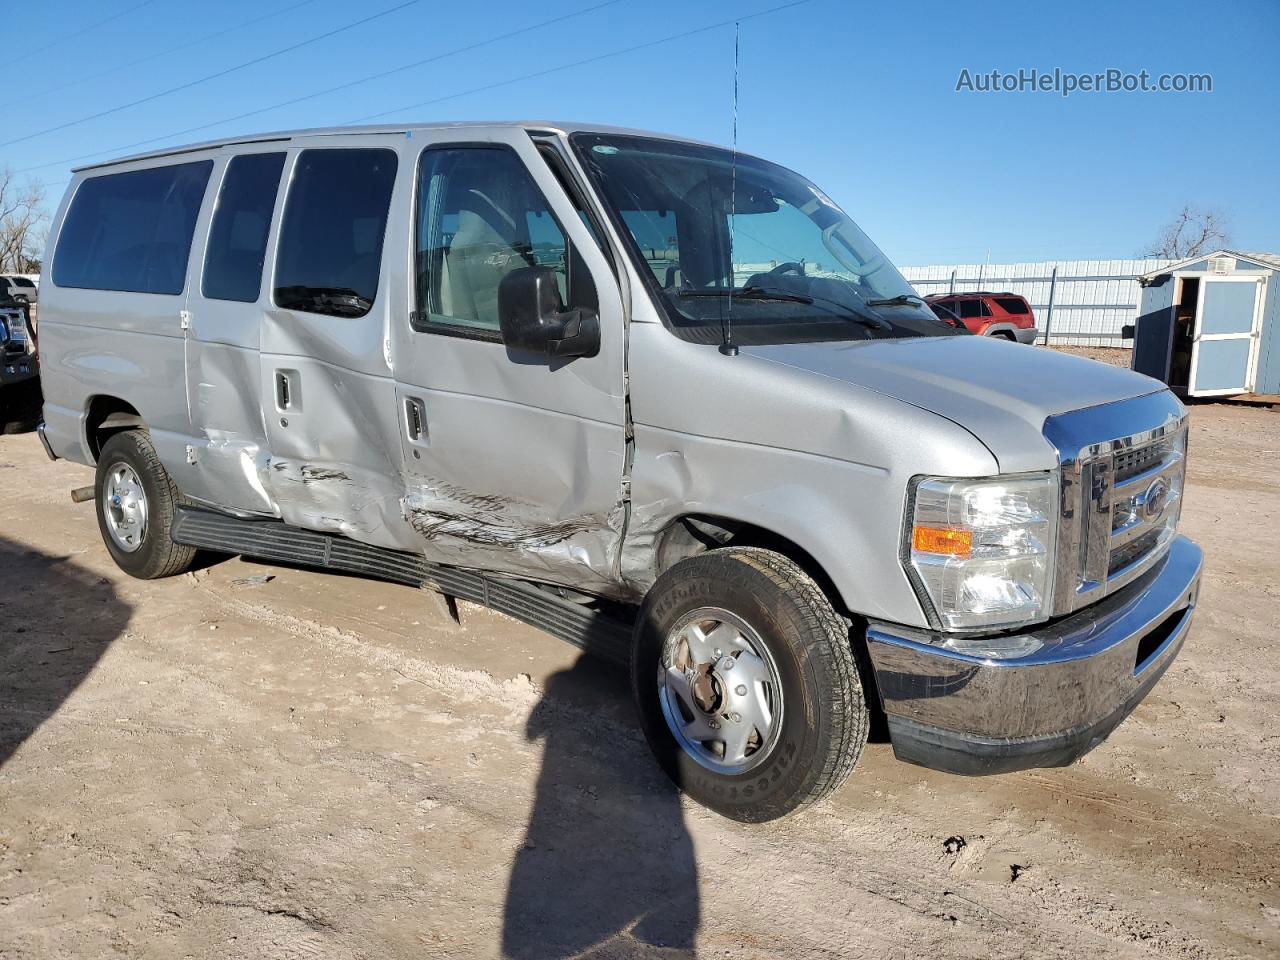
<point x="284" y="136"/>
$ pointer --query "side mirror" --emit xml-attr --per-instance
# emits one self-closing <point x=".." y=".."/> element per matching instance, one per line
<point x="533" y="317"/>
<point x="1126" y="332"/>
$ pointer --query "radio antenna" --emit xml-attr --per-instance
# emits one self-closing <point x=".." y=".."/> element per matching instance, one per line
<point x="727" y="346"/>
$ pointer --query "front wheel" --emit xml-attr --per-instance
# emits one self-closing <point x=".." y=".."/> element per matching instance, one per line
<point x="746" y="684"/>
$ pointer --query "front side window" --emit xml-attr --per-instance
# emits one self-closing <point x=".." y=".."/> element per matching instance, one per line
<point x="480" y="216"/>
<point x="331" y="235"/>
<point x="724" y="239"/>
<point x="241" y="222"/>
<point x="132" y="231"/>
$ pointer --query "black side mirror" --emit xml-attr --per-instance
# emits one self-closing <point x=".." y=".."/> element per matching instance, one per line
<point x="533" y="317"/>
<point x="1126" y="332"/>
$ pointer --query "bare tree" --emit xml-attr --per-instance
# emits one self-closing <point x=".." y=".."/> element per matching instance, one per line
<point x="1193" y="231"/>
<point x="23" y="220"/>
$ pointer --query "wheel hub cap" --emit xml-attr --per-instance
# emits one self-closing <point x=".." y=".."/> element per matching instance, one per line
<point x="124" y="507"/>
<point x="720" y="691"/>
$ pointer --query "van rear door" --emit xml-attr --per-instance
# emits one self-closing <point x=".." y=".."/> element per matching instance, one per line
<point x="225" y="310"/>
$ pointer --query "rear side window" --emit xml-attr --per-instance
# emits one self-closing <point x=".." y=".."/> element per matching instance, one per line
<point x="970" y="309"/>
<point x="1012" y="304"/>
<point x="132" y="231"/>
<point x="332" y="232"/>
<point x="238" y="238"/>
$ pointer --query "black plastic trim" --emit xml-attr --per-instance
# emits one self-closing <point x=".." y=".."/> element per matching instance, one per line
<point x="593" y="631"/>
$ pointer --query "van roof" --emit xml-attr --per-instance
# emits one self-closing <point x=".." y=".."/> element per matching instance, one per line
<point x="406" y="129"/>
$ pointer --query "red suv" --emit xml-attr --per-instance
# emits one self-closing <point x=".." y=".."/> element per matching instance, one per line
<point x="988" y="314"/>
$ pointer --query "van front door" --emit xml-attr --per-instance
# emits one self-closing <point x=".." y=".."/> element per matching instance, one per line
<point x="513" y="462"/>
<point x="1223" y="352"/>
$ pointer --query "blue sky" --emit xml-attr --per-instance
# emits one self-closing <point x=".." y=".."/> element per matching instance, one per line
<point x="859" y="97"/>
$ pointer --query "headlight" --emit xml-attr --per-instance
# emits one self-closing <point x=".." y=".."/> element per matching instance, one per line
<point x="982" y="550"/>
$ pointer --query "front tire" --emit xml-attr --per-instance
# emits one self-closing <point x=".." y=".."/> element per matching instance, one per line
<point x="136" y="500"/>
<point x="746" y="684"/>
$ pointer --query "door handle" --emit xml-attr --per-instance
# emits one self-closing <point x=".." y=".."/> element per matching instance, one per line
<point x="415" y="419"/>
<point x="284" y="394"/>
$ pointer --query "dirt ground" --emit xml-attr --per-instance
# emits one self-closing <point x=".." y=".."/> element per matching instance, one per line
<point x="322" y="767"/>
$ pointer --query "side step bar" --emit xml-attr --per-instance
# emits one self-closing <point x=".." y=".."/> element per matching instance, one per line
<point x="595" y="632"/>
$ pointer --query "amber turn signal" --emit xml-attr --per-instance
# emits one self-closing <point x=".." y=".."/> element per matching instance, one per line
<point x="958" y="543"/>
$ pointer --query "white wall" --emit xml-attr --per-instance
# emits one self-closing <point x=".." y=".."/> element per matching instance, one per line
<point x="1092" y="299"/>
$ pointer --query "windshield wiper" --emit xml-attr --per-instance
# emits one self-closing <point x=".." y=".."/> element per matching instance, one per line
<point x="746" y="293"/>
<point x="339" y="300"/>
<point x="900" y="299"/>
<point x="847" y="311"/>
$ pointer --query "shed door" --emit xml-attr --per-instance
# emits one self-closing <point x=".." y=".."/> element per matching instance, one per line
<point x="1223" y="352"/>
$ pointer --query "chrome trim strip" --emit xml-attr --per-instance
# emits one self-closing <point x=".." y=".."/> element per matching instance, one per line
<point x="1146" y="476"/>
<point x="44" y="441"/>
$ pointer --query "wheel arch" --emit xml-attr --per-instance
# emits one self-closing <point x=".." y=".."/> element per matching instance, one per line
<point x="106" y="415"/>
<point x="693" y="533"/>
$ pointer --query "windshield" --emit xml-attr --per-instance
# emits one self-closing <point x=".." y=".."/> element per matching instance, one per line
<point x="749" y="244"/>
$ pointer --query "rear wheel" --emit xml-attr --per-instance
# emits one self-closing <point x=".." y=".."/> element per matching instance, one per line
<point x="746" y="684"/>
<point x="136" y="501"/>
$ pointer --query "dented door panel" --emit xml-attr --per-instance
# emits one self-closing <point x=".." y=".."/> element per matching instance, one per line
<point x="335" y="457"/>
<point x="513" y="463"/>
<point x="228" y="443"/>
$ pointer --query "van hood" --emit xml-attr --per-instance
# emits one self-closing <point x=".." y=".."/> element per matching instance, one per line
<point x="1001" y="392"/>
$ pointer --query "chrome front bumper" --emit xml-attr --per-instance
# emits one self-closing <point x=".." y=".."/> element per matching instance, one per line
<point x="964" y="714"/>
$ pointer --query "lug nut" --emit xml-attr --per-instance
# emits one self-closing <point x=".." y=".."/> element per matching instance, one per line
<point x="740" y="690"/>
<point x="736" y="717"/>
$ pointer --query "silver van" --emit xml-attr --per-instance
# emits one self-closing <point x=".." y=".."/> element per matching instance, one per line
<point x="662" y="399"/>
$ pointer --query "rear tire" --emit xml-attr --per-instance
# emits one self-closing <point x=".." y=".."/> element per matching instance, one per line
<point x="742" y="639"/>
<point x="136" y="500"/>
<point x="20" y="407"/>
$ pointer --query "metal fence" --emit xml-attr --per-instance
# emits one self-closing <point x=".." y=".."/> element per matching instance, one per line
<point x="1080" y="302"/>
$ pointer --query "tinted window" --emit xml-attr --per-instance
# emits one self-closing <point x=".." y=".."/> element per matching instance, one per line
<point x="238" y="238"/>
<point x="22" y="281"/>
<point x="132" y="231"/>
<point x="480" y="216"/>
<point x="1012" y="304"/>
<point x="331" y="236"/>
<point x="968" y="309"/>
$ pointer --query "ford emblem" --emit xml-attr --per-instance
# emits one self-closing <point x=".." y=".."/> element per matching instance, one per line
<point x="1155" y="499"/>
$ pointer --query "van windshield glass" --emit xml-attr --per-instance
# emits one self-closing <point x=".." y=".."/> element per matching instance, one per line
<point x="748" y="242"/>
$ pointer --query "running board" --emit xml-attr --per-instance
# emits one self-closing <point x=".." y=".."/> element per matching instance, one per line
<point x="590" y="630"/>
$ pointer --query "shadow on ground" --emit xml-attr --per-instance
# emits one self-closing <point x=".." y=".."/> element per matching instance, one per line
<point x="56" y="621"/>
<point x="607" y="869"/>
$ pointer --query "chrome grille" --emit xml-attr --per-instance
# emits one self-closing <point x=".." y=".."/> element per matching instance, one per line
<point x="1132" y="461"/>
<point x="1120" y="497"/>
